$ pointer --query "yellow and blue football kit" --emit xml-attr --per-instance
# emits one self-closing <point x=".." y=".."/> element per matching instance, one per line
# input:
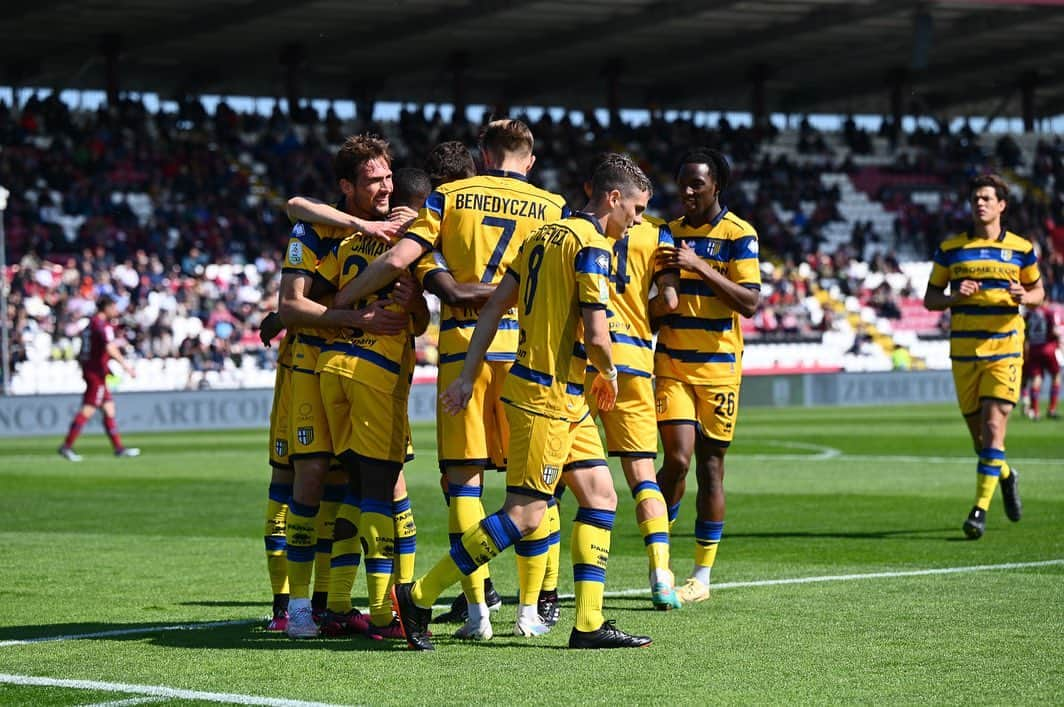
<point x="473" y="228"/>
<point x="698" y="359"/>
<point x="280" y="411"/>
<point x="986" y="331"/>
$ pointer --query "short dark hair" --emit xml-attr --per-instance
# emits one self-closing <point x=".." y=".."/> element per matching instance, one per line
<point x="449" y="161"/>
<point x="358" y="150"/>
<point x="410" y="187"/>
<point x="104" y="301"/>
<point x="999" y="185"/>
<point x="506" y="136"/>
<point x="617" y="171"/>
<point x="715" y="160"/>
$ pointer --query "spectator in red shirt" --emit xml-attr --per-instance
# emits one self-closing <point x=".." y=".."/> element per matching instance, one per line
<point x="98" y="346"/>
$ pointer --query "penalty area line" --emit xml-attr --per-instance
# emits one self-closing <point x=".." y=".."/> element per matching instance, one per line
<point x="156" y="691"/>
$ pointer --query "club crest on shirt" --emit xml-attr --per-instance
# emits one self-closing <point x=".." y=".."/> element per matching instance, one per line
<point x="713" y="248"/>
<point x="550" y="474"/>
<point x="1006" y="254"/>
<point x="305" y="435"/>
<point x="280" y="447"/>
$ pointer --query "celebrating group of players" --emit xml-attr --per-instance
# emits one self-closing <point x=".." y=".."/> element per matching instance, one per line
<point x="546" y="325"/>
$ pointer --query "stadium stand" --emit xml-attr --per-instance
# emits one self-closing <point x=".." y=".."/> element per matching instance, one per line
<point x="180" y="216"/>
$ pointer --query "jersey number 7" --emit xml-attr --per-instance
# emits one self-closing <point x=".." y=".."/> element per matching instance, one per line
<point x="508" y="226"/>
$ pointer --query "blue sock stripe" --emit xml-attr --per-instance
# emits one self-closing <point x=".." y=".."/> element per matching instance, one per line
<point x="501" y="529"/>
<point x="298" y="509"/>
<point x="552" y="502"/>
<point x="324" y="545"/>
<point x="352" y="559"/>
<point x="589" y="573"/>
<point x="987" y="470"/>
<point x="281" y="493"/>
<point x="651" y="538"/>
<point x="532" y="548"/>
<point x="299" y="554"/>
<point x="406" y="546"/>
<point x="352" y="499"/>
<point x="991" y="453"/>
<point x="645" y="486"/>
<point x="709" y="530"/>
<point x="401" y="506"/>
<point x="462" y="558"/>
<point x="463" y="491"/>
<point x="596" y="517"/>
<point x="674" y="512"/>
<point x="554" y="538"/>
<point x="372" y="505"/>
<point x="456" y="538"/>
<point x="334" y="493"/>
<point x="275" y="543"/>
<point x="379" y="565"/>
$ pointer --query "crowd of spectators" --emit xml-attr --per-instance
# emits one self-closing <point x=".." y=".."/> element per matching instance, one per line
<point x="179" y="215"/>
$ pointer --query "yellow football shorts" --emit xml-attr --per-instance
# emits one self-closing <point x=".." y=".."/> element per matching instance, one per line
<point x="631" y="429"/>
<point x="978" y="380"/>
<point x="367" y="425"/>
<point x="541" y="448"/>
<point x="280" y="440"/>
<point x="713" y="408"/>
<point x="480" y="434"/>
<point x="308" y="427"/>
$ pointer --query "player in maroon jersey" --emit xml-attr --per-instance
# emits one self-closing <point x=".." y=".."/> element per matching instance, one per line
<point x="98" y="346"/>
<point x="1043" y="339"/>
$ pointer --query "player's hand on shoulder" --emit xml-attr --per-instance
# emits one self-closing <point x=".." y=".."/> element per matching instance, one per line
<point x="405" y="291"/>
<point x="403" y="215"/>
<point x="457" y="396"/>
<point x="386" y="231"/>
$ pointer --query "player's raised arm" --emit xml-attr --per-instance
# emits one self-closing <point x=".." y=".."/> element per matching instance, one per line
<point x="305" y="208"/>
<point x="457" y="395"/>
<point x="381" y="272"/>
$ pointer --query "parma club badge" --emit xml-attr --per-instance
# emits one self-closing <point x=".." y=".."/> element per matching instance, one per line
<point x="280" y="447"/>
<point x="305" y="435"/>
<point x="550" y="474"/>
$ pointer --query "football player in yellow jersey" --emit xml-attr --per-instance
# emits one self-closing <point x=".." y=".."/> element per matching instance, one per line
<point x="559" y="283"/>
<point x="698" y="359"/>
<point x="363" y="169"/>
<point x="477" y="226"/>
<point x="990" y="273"/>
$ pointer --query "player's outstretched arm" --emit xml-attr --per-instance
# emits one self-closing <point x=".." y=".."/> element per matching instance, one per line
<point x="298" y="310"/>
<point x="457" y="395"/>
<point x="379" y="273"/>
<point x="458" y="294"/>
<point x="305" y="208"/>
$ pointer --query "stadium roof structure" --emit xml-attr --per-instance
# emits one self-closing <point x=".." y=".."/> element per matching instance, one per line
<point x="939" y="58"/>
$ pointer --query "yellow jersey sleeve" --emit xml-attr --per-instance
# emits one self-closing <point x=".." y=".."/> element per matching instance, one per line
<point x="425" y="231"/>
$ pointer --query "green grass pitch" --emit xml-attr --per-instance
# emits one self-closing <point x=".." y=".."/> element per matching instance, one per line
<point x="174" y="538"/>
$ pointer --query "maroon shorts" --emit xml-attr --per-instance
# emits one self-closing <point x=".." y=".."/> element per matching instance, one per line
<point x="1042" y="360"/>
<point x="96" y="391"/>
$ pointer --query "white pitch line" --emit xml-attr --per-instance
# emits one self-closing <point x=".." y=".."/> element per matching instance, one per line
<point x="130" y="701"/>
<point x="852" y="577"/>
<point x="893" y="459"/>
<point x="125" y="632"/>
<point x="158" y="691"/>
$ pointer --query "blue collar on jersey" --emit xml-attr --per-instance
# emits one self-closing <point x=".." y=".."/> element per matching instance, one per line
<point x="505" y="173"/>
<point x="592" y="219"/>
<point x="1000" y="238"/>
<point x="716" y="219"/>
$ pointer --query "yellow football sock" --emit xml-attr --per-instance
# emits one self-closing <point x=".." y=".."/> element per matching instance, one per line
<point x="464" y="512"/>
<point x="590" y="551"/>
<point x="991" y="468"/>
<point x="480" y="544"/>
<point x="655" y="529"/>
<point x="554" y="547"/>
<point x="531" y="551"/>
<point x="405" y="540"/>
<point x="377" y="528"/>
<point x="301" y="537"/>
<point x="326" y="520"/>
<point x="274" y="536"/>
<point x="346" y="556"/>
<point x="707" y="540"/>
